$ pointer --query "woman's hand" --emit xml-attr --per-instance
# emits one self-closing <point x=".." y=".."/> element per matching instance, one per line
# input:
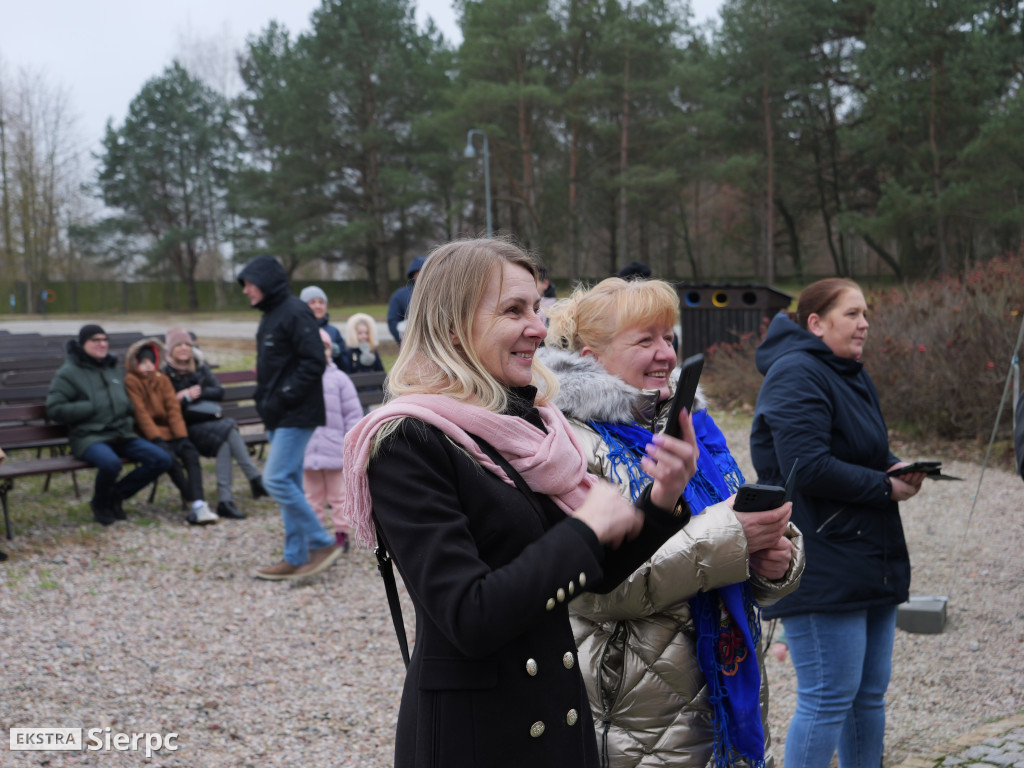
<point x="610" y="517"/>
<point x="773" y="563"/>
<point x="763" y="529"/>
<point x="671" y="463"/>
<point x="904" y="486"/>
<point x="195" y="391"/>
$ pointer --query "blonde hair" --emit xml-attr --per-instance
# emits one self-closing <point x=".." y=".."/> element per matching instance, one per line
<point x="437" y="355"/>
<point x="352" y="330"/>
<point x="591" y="317"/>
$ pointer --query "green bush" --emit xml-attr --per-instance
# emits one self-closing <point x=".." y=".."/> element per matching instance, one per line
<point x="938" y="351"/>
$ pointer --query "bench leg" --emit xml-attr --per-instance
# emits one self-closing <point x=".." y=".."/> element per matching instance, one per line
<point x="5" y="486"/>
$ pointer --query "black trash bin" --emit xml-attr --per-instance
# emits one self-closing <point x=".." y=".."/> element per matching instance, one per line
<point x="713" y="313"/>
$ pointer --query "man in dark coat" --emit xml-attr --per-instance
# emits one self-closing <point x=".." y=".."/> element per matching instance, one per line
<point x="290" y="363"/>
<point x="398" y="306"/>
<point x="87" y="393"/>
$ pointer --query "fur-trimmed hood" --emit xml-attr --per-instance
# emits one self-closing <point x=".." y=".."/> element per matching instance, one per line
<point x="587" y="392"/>
<point x="131" y="364"/>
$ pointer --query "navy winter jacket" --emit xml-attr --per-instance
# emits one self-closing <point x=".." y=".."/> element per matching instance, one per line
<point x="823" y="410"/>
<point x="290" y="359"/>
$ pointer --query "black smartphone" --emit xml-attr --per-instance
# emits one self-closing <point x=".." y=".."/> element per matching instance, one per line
<point x="928" y="467"/>
<point x="757" y="498"/>
<point x="686" y="391"/>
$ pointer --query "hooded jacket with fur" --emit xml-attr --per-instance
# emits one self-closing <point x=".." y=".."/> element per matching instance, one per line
<point x="157" y="410"/>
<point x="637" y="643"/>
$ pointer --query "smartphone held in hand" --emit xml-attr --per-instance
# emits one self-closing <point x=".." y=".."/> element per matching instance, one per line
<point x="757" y="498"/>
<point x="686" y="391"/>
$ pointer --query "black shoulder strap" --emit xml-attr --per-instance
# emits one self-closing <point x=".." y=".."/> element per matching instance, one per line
<point x="386" y="567"/>
<point x="514" y="476"/>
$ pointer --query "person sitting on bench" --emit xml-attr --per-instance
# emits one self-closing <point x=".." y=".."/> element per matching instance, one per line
<point x="158" y="419"/>
<point x="88" y="395"/>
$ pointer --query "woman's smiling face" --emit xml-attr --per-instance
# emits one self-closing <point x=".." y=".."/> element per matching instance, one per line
<point x="642" y="356"/>
<point x="506" y="327"/>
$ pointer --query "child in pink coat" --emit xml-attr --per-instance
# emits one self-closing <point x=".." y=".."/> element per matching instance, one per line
<point x="323" y="463"/>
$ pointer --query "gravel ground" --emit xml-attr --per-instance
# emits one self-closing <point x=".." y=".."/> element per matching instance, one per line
<point x="151" y="626"/>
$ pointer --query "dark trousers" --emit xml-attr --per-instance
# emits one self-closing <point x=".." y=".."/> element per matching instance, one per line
<point x="187" y="475"/>
<point x="151" y="462"/>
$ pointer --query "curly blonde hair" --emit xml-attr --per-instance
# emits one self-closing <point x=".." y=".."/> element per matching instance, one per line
<point x="591" y="317"/>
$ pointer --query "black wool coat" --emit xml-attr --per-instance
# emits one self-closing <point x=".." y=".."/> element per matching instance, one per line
<point x="494" y="680"/>
<point x="823" y="410"/>
<point x="207" y="436"/>
<point x="290" y="359"/>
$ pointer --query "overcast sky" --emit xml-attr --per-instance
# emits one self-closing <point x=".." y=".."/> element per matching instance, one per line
<point x="101" y="52"/>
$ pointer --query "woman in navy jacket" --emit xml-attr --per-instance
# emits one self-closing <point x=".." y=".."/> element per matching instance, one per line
<point x="819" y="405"/>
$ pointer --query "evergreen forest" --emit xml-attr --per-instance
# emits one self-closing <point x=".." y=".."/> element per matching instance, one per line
<point x="785" y="139"/>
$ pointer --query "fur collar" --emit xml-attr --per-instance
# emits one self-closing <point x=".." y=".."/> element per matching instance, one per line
<point x="587" y="392"/>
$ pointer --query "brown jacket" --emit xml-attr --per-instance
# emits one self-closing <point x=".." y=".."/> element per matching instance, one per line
<point x="157" y="410"/>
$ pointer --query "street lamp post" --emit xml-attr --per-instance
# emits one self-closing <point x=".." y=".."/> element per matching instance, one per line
<point x="470" y="151"/>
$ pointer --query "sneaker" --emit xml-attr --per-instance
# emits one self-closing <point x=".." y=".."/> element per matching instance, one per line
<point x="319" y="560"/>
<point x="201" y="515"/>
<point x="277" y="571"/>
<point x="256" y="484"/>
<point x="102" y="514"/>
<point x="341" y="541"/>
<point x="229" y="511"/>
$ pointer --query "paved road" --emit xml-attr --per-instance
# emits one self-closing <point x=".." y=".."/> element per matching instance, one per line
<point x="211" y="329"/>
<point x="993" y="745"/>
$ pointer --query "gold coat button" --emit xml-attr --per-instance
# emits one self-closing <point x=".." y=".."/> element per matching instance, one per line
<point x="560" y="594"/>
<point x="537" y="729"/>
<point x="582" y="579"/>
<point x="571" y="717"/>
<point x="568" y="661"/>
<point x="550" y="604"/>
<point x="531" y="667"/>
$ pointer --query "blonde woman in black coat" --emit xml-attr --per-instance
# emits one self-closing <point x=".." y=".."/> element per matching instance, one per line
<point x="482" y="495"/>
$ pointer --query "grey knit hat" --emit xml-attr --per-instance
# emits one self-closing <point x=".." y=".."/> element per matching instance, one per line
<point x="311" y="292"/>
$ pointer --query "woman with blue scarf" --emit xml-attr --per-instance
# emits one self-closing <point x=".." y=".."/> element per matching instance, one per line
<point x="672" y="658"/>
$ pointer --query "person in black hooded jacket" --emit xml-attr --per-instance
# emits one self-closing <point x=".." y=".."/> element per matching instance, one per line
<point x="819" y="405"/>
<point x="289" y="397"/>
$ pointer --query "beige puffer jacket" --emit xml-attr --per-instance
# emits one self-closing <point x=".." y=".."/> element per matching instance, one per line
<point x="637" y="644"/>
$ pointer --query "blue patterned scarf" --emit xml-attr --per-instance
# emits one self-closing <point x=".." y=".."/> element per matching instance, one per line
<point x="726" y="646"/>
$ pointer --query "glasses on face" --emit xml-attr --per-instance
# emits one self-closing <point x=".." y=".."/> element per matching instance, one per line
<point x="100" y="339"/>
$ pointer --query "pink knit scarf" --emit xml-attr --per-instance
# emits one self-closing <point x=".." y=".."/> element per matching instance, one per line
<point x="552" y="463"/>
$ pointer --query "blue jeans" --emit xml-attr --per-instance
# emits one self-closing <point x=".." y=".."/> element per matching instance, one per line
<point x="151" y="462"/>
<point x="843" y="662"/>
<point x="282" y="477"/>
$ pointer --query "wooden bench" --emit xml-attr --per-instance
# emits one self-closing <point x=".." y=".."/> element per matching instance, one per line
<point x="24" y="428"/>
<point x="240" y="386"/>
